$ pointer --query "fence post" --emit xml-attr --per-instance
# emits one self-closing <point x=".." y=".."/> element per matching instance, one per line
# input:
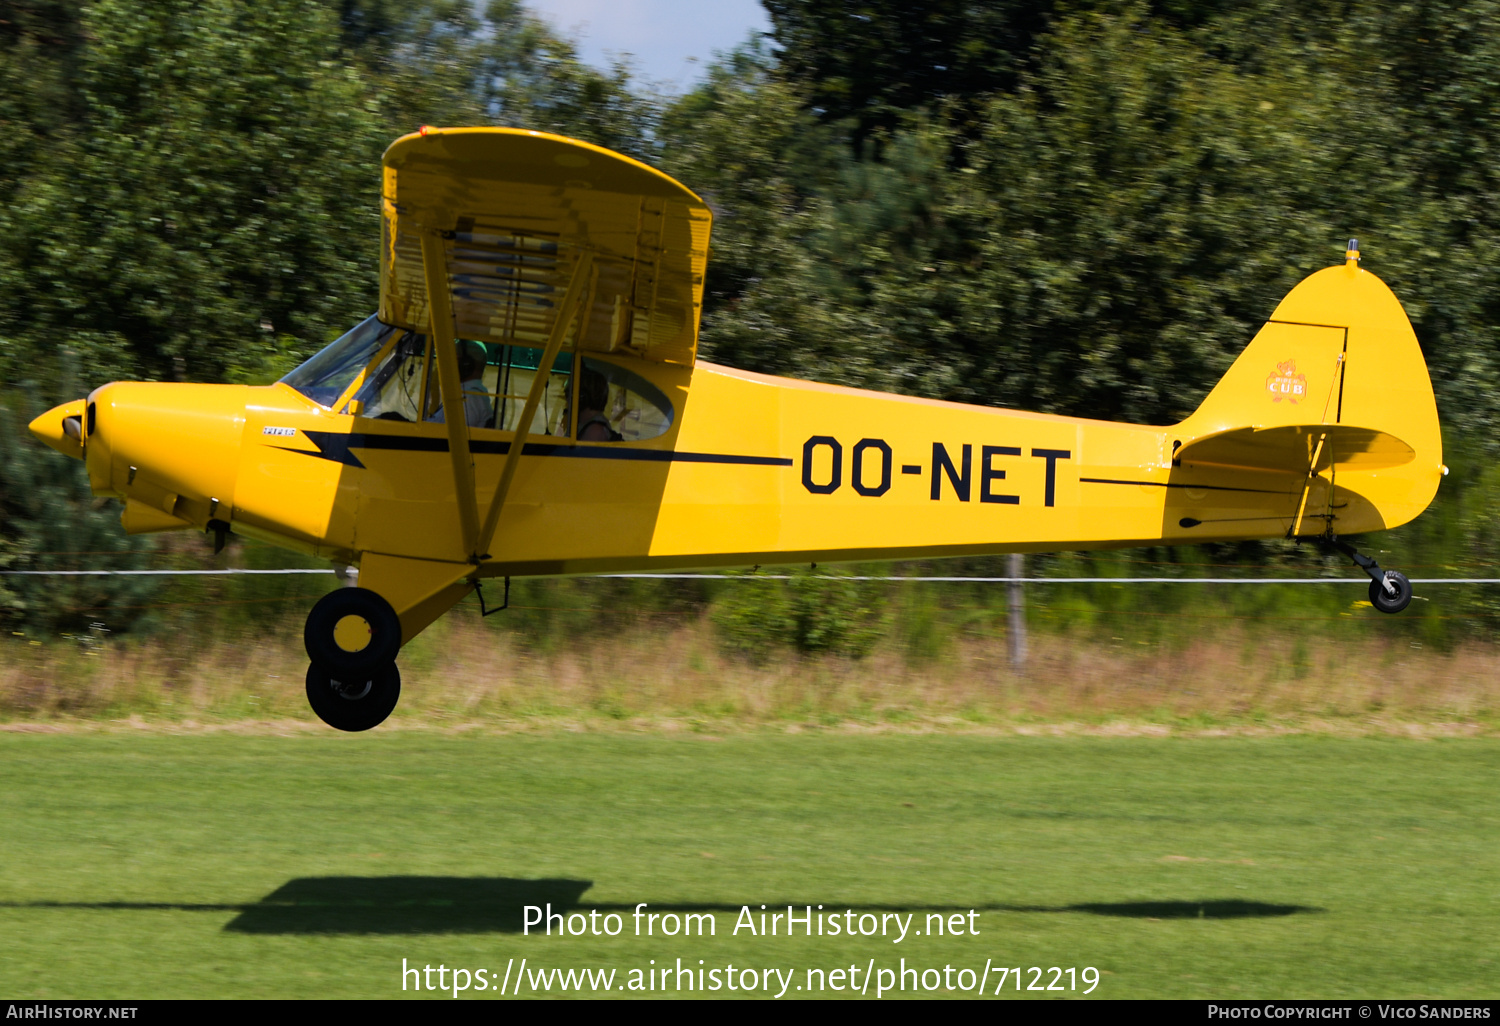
<point x="1017" y="632"/>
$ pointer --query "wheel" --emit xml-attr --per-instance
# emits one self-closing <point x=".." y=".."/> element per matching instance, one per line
<point x="1391" y="603"/>
<point x="352" y="631"/>
<point x="354" y="705"/>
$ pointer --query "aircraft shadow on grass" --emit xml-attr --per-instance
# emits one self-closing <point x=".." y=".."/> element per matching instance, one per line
<point x="404" y="904"/>
<point x="453" y="904"/>
<point x="435" y="904"/>
<point x="1224" y="909"/>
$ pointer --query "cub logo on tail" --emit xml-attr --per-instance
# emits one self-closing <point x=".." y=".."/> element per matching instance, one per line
<point x="1285" y="383"/>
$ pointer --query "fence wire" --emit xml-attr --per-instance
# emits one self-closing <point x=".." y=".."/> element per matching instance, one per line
<point x="799" y="577"/>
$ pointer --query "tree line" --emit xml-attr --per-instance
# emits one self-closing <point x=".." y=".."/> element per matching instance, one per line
<point x="1074" y="206"/>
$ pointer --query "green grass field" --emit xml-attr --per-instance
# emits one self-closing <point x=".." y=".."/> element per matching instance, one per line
<point x="145" y="864"/>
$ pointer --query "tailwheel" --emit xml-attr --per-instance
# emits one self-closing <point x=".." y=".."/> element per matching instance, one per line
<point x="357" y="701"/>
<point x="1391" y="595"/>
<point x="1390" y="591"/>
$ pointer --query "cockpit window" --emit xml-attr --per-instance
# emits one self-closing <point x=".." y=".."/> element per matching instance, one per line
<point x="633" y="407"/>
<point x="324" y="377"/>
<point x="615" y="404"/>
<point x="508" y="375"/>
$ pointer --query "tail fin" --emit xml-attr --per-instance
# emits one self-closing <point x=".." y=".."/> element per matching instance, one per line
<point x="1334" y="393"/>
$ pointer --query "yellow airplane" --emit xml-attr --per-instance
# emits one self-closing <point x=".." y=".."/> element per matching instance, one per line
<point x="527" y="401"/>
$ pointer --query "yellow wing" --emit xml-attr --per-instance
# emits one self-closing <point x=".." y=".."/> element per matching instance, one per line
<point x="516" y="210"/>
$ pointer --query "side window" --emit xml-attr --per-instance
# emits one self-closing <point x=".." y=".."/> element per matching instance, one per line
<point x="632" y="408"/>
<point x="615" y="404"/>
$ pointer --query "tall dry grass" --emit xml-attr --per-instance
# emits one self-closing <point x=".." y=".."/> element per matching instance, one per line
<point x="462" y="673"/>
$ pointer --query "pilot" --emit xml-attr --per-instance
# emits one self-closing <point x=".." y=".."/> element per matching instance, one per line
<point x="471" y="363"/>
<point x="593" y="397"/>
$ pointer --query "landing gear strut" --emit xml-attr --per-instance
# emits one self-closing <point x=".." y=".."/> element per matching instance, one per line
<point x="352" y="637"/>
<point x="1390" y="591"/>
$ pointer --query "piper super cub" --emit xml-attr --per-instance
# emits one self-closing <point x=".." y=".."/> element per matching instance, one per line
<point x="527" y="401"/>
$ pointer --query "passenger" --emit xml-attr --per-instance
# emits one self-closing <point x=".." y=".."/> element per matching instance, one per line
<point x="471" y="364"/>
<point x="593" y="397"/>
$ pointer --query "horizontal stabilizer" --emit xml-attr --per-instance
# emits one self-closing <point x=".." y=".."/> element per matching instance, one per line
<point x="1295" y="448"/>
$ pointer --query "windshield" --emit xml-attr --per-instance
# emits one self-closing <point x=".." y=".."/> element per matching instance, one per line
<point x="615" y="404"/>
<point x="392" y="391"/>
<point x="324" y="378"/>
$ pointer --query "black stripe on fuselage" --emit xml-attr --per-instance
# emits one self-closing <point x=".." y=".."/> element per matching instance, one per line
<point x="336" y="446"/>
<point x="1173" y="484"/>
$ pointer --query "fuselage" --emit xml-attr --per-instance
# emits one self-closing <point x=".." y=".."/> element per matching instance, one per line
<point x="754" y="469"/>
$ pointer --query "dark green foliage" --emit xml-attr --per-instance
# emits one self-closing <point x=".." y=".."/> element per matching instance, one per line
<point x="191" y="190"/>
<point x="554" y="614"/>
<point x="47" y="519"/>
<point x="868" y="60"/>
<point x="198" y="209"/>
<point x="1104" y="238"/>
<point x="814" y="611"/>
<point x="450" y="62"/>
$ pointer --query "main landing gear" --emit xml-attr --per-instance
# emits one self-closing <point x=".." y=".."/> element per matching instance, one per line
<point x="1390" y="591"/>
<point x="352" y="637"/>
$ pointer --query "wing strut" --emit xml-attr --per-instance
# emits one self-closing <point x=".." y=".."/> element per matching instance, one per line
<point x="440" y="322"/>
<point x="577" y="285"/>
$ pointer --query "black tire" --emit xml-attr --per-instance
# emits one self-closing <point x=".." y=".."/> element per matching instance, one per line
<point x="322" y="622"/>
<point x="1388" y="603"/>
<point x="354" y="706"/>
